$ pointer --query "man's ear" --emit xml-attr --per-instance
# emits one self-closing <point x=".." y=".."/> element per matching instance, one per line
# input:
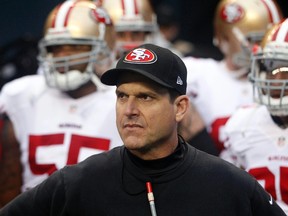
<point x="181" y="105"/>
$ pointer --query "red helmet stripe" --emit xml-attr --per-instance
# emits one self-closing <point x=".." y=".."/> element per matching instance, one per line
<point x="272" y="11"/>
<point x="274" y="36"/>
<point x="282" y="32"/>
<point x="63" y="12"/>
<point x="129" y="7"/>
<point x="67" y="15"/>
<point x="54" y="17"/>
<point x="123" y="7"/>
<point x="136" y="7"/>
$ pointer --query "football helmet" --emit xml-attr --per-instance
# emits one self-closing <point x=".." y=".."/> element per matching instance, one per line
<point x="76" y="23"/>
<point x="269" y="71"/>
<point x="131" y="16"/>
<point x="239" y="24"/>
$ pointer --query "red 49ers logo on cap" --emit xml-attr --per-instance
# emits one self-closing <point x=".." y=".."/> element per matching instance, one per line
<point x="141" y="56"/>
<point x="231" y="13"/>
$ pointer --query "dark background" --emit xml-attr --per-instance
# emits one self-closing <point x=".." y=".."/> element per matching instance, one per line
<point x="25" y="18"/>
<point x="22" y="22"/>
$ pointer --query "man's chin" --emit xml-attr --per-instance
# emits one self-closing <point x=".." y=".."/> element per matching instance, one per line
<point x="132" y="142"/>
<point x="139" y="151"/>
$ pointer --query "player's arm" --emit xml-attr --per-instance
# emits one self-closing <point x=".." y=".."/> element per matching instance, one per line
<point x="192" y="128"/>
<point x="10" y="165"/>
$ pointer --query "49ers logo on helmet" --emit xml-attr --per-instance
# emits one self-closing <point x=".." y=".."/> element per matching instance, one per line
<point x="101" y="16"/>
<point x="231" y="13"/>
<point x="140" y="56"/>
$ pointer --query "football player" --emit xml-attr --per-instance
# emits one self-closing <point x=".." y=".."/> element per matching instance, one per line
<point x="134" y="21"/>
<point x="217" y="88"/>
<point x="257" y="136"/>
<point x="65" y="114"/>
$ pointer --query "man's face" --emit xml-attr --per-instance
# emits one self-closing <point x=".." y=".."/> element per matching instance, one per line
<point x="279" y="74"/>
<point x="128" y="40"/>
<point x="273" y="74"/>
<point x="63" y="51"/>
<point x="130" y="36"/>
<point x="145" y="114"/>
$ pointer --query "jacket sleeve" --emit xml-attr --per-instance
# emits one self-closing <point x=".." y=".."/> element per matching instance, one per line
<point x="263" y="204"/>
<point x="48" y="198"/>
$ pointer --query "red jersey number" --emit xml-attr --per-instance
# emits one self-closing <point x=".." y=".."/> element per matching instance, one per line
<point x="263" y="173"/>
<point x="77" y="142"/>
<point x="215" y="131"/>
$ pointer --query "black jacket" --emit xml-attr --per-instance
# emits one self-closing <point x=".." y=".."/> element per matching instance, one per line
<point x="188" y="182"/>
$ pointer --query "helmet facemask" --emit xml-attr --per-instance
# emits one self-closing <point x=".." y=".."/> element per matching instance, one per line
<point x="76" y="23"/>
<point x="269" y="75"/>
<point x="63" y="72"/>
<point x="242" y="59"/>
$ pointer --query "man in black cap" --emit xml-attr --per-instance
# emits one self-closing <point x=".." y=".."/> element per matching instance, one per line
<point x="156" y="172"/>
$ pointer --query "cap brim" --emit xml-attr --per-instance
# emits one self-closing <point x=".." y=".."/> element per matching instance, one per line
<point x="111" y="77"/>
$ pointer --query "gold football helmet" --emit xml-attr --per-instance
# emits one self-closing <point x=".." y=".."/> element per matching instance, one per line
<point x="269" y="71"/>
<point x="131" y="16"/>
<point x="76" y="23"/>
<point x="239" y="24"/>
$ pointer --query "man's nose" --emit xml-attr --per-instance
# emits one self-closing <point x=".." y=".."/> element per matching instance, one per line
<point x="131" y="107"/>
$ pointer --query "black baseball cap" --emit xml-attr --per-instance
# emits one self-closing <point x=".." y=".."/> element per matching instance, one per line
<point x="156" y="63"/>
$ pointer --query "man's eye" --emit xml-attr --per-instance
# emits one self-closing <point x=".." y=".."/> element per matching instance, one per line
<point x="121" y="95"/>
<point x="145" y="97"/>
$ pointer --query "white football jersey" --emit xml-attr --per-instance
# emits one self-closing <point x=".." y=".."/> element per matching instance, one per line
<point x="54" y="129"/>
<point x="215" y="92"/>
<point x="261" y="148"/>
